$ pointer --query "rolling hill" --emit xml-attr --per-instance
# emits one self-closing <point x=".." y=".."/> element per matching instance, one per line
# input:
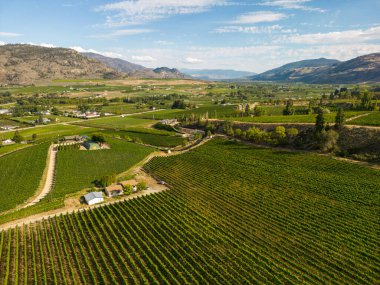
<point x="28" y="64"/>
<point x="135" y="70"/>
<point x="326" y="71"/>
<point x="116" y="63"/>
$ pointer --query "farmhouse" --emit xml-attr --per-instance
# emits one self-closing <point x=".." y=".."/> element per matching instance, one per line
<point x="9" y="127"/>
<point x="7" y="142"/>
<point x="71" y="138"/>
<point x="90" y="145"/>
<point x="114" y="190"/>
<point x="94" y="198"/>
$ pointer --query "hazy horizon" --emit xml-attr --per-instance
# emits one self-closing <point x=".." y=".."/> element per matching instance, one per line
<point x="252" y="36"/>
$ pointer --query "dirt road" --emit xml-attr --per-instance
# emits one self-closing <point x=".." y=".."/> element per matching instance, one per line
<point x="49" y="178"/>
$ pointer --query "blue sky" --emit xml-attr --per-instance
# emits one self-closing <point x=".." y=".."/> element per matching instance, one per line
<point x="252" y="35"/>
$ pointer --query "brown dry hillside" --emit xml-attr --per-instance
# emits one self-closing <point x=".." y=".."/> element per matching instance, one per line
<point x="28" y="64"/>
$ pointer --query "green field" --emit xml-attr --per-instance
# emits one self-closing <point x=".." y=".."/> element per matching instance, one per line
<point x="49" y="131"/>
<point x="54" y="119"/>
<point x="10" y="148"/>
<point x="150" y="136"/>
<point x="264" y="217"/>
<point x="78" y="169"/>
<point x="214" y="111"/>
<point x="122" y="109"/>
<point x="21" y="173"/>
<point x="115" y="123"/>
<point x="329" y="118"/>
<point x="373" y="119"/>
<point x="5" y="122"/>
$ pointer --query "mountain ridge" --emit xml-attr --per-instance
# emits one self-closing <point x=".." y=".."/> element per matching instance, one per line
<point x="365" y="68"/>
<point x="28" y="64"/>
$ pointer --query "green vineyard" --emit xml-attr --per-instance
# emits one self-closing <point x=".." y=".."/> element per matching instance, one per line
<point x="234" y="215"/>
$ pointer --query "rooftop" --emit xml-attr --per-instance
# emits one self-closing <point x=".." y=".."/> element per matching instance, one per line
<point x="93" y="195"/>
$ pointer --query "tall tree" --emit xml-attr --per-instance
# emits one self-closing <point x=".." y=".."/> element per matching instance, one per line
<point x="320" y="121"/>
<point x="339" y="119"/>
<point x="17" y="137"/>
<point x="289" y="110"/>
<point x="247" y="110"/>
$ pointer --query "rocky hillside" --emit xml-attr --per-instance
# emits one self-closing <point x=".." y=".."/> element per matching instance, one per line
<point x="165" y="72"/>
<point x="364" y="68"/>
<point x="27" y="64"/>
<point x="326" y="71"/>
<point x="296" y="71"/>
<point x="116" y="63"/>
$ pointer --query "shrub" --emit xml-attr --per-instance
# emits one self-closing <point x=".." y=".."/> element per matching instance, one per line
<point x="141" y="186"/>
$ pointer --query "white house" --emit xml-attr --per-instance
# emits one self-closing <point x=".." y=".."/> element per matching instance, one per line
<point x="93" y="198"/>
<point x="8" y="142"/>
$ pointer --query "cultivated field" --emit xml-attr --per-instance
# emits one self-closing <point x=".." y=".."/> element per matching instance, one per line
<point x="235" y="215"/>
<point x="115" y="123"/>
<point x="21" y="173"/>
<point x="373" y="119"/>
<point x="78" y="169"/>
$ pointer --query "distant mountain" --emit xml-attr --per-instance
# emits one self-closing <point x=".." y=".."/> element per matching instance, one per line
<point x="28" y="64"/>
<point x="326" y="71"/>
<point x="135" y="70"/>
<point x="295" y="71"/>
<point x="165" y="72"/>
<point x="216" y="74"/>
<point x="116" y="63"/>
<point x="361" y="69"/>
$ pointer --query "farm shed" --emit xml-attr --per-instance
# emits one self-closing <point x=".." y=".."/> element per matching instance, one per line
<point x="114" y="190"/>
<point x="90" y="145"/>
<point x="71" y="138"/>
<point x="94" y="198"/>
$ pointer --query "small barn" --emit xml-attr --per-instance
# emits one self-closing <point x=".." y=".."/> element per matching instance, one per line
<point x="93" y="198"/>
<point x="114" y="190"/>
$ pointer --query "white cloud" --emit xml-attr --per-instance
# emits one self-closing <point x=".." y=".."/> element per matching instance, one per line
<point x="80" y="49"/>
<point x="2" y="43"/>
<point x="259" y="17"/>
<point x="164" y="43"/>
<point x="291" y="4"/>
<point x="105" y="53"/>
<point x="47" y="45"/>
<point x="7" y="34"/>
<point x="121" y="33"/>
<point x="192" y="60"/>
<point x="134" y="12"/>
<point x="143" y="58"/>
<point x="254" y="29"/>
<point x="349" y="36"/>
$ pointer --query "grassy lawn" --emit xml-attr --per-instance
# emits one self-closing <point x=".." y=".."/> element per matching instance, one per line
<point x="21" y="173"/>
<point x="49" y="131"/>
<point x="115" y="123"/>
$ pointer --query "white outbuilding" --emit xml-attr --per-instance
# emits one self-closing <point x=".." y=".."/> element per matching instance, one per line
<point x="94" y="198"/>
